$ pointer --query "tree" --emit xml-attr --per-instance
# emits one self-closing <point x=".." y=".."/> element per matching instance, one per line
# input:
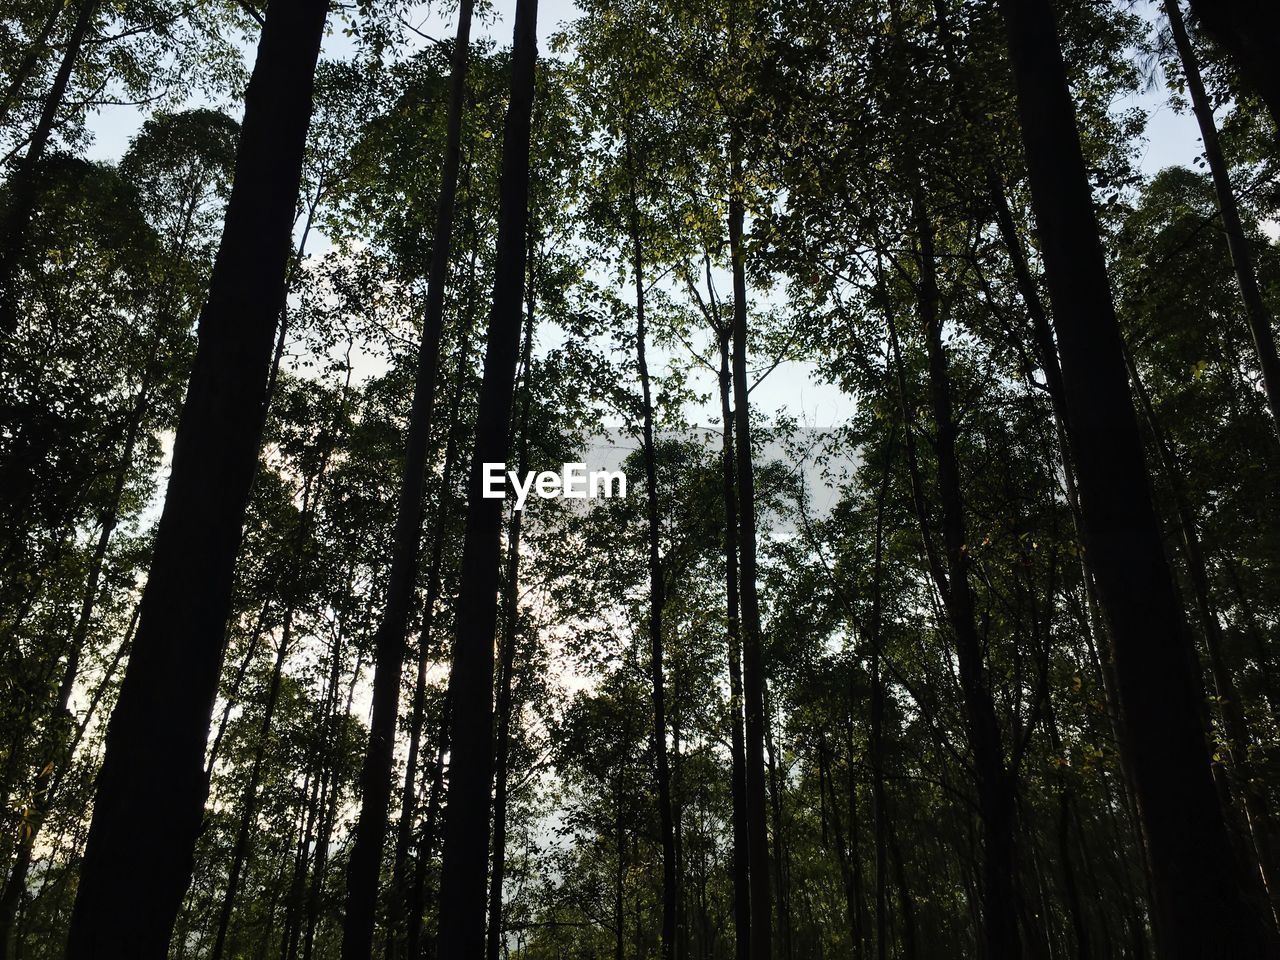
<point x="466" y="824"/>
<point x="154" y="759"/>
<point x="1200" y="909"/>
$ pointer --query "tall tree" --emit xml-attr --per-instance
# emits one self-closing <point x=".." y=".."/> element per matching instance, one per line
<point x="753" y="678"/>
<point x="1243" y="28"/>
<point x="132" y="882"/>
<point x="376" y="782"/>
<point x="1200" y="908"/>
<point x="1256" y="312"/>
<point x="466" y="825"/>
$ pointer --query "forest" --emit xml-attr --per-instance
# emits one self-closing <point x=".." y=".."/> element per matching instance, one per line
<point x="939" y="617"/>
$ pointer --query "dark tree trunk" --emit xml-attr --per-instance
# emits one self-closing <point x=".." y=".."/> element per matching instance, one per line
<point x="506" y="705"/>
<point x="738" y="773"/>
<point x="1247" y="30"/>
<point x="400" y="894"/>
<point x="35" y="50"/>
<point x="430" y="837"/>
<point x="852" y="896"/>
<point x="389" y="642"/>
<point x="995" y="791"/>
<point x="1200" y="908"/>
<point x="657" y="596"/>
<point x="1239" y="740"/>
<point x="753" y="658"/>
<point x="23" y="189"/>
<point x="132" y="882"/>
<point x="880" y="812"/>
<point x="466" y="827"/>
<point x="1256" y="313"/>
<point x="241" y="851"/>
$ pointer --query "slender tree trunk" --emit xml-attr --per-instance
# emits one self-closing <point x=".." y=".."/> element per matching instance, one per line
<point x="23" y="187"/>
<point x="399" y="895"/>
<point x="738" y="773"/>
<point x="1256" y="313"/>
<point x="158" y="732"/>
<point x="852" y="900"/>
<point x="506" y="705"/>
<point x="371" y="830"/>
<point x="1247" y="29"/>
<point x="753" y="658"/>
<point x="657" y="596"/>
<point x="1235" y="726"/>
<point x="995" y="791"/>
<point x="879" y="809"/>
<point x="35" y="50"/>
<point x="466" y="828"/>
<point x="242" y="850"/>
<point x="1200" y="908"/>
<point x="429" y="839"/>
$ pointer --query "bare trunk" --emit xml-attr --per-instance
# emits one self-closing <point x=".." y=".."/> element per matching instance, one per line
<point x="466" y="829"/>
<point x="1200" y="908"/>
<point x="366" y="853"/>
<point x="157" y="736"/>
<point x="1256" y="313"/>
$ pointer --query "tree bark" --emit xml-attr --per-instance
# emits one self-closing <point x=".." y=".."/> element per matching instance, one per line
<point x="1200" y="908"/>
<point x="657" y="594"/>
<point x="23" y="189"/>
<point x="1234" y="724"/>
<point x="738" y="770"/>
<point x="132" y="881"/>
<point x="1246" y="30"/>
<point x="399" y="896"/>
<point x="753" y="659"/>
<point x="506" y="705"/>
<point x="1257" y="315"/>
<point x="466" y="828"/>
<point x="389" y="642"/>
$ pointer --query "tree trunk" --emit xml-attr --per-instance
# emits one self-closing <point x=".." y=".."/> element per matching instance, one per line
<point x="1234" y="724"/>
<point x="753" y="657"/>
<point x="242" y="850"/>
<point x="738" y="773"/>
<point x="466" y="828"/>
<point x="23" y="189"/>
<point x="995" y="791"/>
<point x="1256" y="313"/>
<point x="399" y="895"/>
<point x="880" y="812"/>
<point x="158" y="732"/>
<point x="389" y="642"/>
<point x="506" y="705"/>
<point x="1247" y="29"/>
<point x="657" y="596"/>
<point x="1200" y="908"/>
